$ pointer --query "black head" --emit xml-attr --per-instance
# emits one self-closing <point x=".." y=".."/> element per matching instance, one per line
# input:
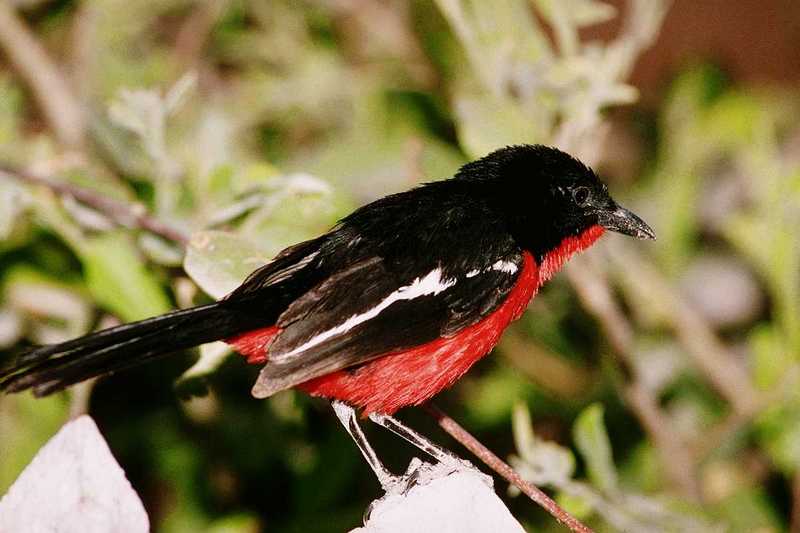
<point x="547" y="195"/>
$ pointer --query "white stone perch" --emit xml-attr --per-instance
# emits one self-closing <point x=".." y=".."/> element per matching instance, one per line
<point x="73" y="485"/>
<point x="441" y="500"/>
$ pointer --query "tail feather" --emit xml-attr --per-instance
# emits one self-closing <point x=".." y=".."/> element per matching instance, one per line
<point x="50" y="368"/>
<point x="105" y="337"/>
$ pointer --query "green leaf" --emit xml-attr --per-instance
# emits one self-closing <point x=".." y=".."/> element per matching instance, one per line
<point x="119" y="280"/>
<point x="772" y="360"/>
<point x="11" y="112"/>
<point x="768" y="239"/>
<point x="287" y="219"/>
<point x="580" y="508"/>
<point x="218" y="261"/>
<point x="733" y="120"/>
<point x="540" y="462"/>
<point x="750" y="509"/>
<point x="594" y="445"/>
<point x="160" y="251"/>
<point x="494" y="396"/>
<point x="778" y="430"/>
<point x="486" y="123"/>
<point x="238" y="523"/>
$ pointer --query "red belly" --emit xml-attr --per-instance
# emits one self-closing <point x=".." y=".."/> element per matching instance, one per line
<point x="413" y="376"/>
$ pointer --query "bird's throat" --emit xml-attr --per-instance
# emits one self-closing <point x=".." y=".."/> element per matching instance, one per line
<point x="553" y="260"/>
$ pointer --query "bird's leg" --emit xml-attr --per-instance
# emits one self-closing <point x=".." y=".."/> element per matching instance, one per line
<point x="347" y="416"/>
<point x="423" y="443"/>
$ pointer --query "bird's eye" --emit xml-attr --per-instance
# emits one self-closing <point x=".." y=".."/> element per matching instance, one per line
<point x="581" y="196"/>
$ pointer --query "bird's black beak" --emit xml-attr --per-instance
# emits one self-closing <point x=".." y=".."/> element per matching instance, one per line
<point x="617" y="218"/>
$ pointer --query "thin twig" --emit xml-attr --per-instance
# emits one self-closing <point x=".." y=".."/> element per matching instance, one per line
<point x="195" y="31"/>
<point x="122" y="213"/>
<point x="59" y="106"/>
<point x="501" y="467"/>
<point x="83" y="50"/>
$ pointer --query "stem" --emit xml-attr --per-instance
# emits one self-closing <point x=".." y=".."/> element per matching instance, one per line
<point x="30" y="60"/>
<point x="503" y="469"/>
<point x="195" y="31"/>
<point x="120" y="212"/>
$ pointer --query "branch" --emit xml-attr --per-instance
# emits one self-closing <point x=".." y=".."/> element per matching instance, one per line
<point x="60" y="108"/>
<point x="122" y="213"/>
<point x="83" y="49"/>
<point x="195" y="31"/>
<point x="501" y="467"/>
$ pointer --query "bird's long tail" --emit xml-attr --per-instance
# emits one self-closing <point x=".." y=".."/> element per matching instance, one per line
<point x="50" y="368"/>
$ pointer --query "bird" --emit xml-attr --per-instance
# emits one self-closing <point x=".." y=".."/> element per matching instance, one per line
<point x="389" y="307"/>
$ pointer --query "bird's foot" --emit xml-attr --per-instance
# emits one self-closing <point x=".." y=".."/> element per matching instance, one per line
<point x="448" y="462"/>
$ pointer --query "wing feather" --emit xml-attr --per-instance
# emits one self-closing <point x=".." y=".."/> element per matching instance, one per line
<point x="323" y="331"/>
<point x="281" y="269"/>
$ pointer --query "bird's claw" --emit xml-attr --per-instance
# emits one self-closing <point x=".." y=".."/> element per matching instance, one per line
<point x="421" y="472"/>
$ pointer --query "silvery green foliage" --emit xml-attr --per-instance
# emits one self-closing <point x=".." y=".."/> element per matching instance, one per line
<point x="145" y="114"/>
<point x="548" y="464"/>
<point x="523" y="88"/>
<point x="73" y="485"/>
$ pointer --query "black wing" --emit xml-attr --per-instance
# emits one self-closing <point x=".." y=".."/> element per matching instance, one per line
<point x="368" y="310"/>
<point x="270" y="289"/>
<point x="284" y="267"/>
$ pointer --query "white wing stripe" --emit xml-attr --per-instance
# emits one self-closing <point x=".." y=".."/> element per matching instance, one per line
<point x="508" y="267"/>
<point x="430" y="284"/>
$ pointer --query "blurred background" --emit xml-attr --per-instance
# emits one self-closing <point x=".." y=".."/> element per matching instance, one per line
<point x="152" y="153"/>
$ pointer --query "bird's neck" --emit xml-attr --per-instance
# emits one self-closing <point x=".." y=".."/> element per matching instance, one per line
<point x="552" y="261"/>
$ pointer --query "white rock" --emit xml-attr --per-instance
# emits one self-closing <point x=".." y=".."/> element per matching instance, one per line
<point x="73" y="485"/>
<point x="442" y="501"/>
